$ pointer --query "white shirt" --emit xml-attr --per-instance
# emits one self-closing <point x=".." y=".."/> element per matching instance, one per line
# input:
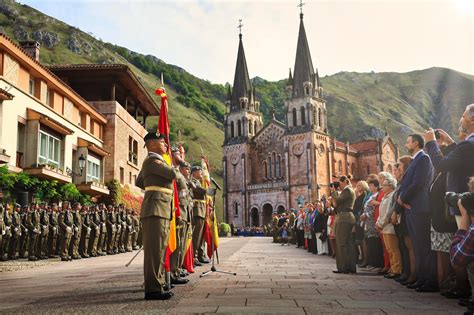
<point x="470" y="136"/>
<point x="383" y="212"/>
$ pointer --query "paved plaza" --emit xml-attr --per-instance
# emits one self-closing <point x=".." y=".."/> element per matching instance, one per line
<point x="270" y="279"/>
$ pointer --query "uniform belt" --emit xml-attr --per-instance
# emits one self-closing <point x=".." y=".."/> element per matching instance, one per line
<point x="199" y="200"/>
<point x="160" y="189"/>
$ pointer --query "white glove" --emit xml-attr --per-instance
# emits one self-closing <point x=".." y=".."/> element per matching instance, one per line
<point x="88" y="230"/>
<point x="3" y="232"/>
<point x="76" y="229"/>
<point x="7" y="228"/>
<point x="68" y="229"/>
<point x="54" y="229"/>
<point x="16" y="229"/>
<point x="26" y="230"/>
<point x="44" y="227"/>
<point x="35" y="230"/>
<point x="129" y="227"/>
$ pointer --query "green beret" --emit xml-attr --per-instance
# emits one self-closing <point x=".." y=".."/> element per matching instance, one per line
<point x="153" y="136"/>
<point x="185" y="165"/>
<point x="196" y="168"/>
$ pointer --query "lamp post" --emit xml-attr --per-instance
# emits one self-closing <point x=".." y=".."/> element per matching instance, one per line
<point x="82" y="165"/>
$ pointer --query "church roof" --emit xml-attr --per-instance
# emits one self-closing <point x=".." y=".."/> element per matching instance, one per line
<point x="366" y="145"/>
<point x="304" y="71"/>
<point x="242" y="86"/>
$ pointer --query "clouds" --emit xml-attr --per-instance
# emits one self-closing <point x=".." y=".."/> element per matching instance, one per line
<point x="202" y="36"/>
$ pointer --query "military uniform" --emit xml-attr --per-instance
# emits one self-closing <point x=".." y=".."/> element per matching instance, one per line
<point x="4" y="232"/>
<point x="156" y="177"/>
<point x="42" y="244"/>
<point x="85" y="235"/>
<point x="102" y="245"/>
<point x="16" y="233"/>
<point x="66" y="223"/>
<point x="76" y="236"/>
<point x="182" y="226"/>
<point x="53" y="234"/>
<point x="199" y="215"/>
<point x="111" y="232"/>
<point x="23" y="245"/>
<point x="128" y="233"/>
<point x="34" y="231"/>
<point x="95" y="226"/>
<point x="136" y="231"/>
<point x="122" y="221"/>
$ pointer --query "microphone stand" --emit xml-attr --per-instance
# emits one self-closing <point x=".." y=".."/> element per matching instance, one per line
<point x="213" y="267"/>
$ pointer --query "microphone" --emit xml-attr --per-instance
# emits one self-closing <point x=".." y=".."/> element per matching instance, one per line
<point x="215" y="183"/>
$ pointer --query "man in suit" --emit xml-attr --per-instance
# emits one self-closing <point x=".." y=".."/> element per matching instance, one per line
<point x="345" y="250"/>
<point x="458" y="164"/>
<point x="414" y="196"/>
<point x="156" y="177"/>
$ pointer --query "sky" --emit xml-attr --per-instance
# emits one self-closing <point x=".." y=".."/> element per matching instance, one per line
<point x="201" y="36"/>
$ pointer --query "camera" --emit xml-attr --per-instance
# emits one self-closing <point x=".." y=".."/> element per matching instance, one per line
<point x="467" y="200"/>
<point x="437" y="134"/>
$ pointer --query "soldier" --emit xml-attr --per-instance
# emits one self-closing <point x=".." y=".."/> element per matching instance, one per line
<point x="128" y="230"/>
<point x="111" y="230"/>
<point x="77" y="230"/>
<point x="186" y="210"/>
<point x="85" y="233"/>
<point x="41" y="246"/>
<point x="199" y="215"/>
<point x="156" y="177"/>
<point x="95" y="231"/>
<point x="183" y="194"/>
<point x="102" y="245"/>
<point x="34" y="231"/>
<point x="53" y="231"/>
<point x="66" y="224"/>
<point x="4" y="244"/>
<point x="136" y="230"/>
<point x="122" y="221"/>
<point x="24" y="231"/>
<point x="16" y="232"/>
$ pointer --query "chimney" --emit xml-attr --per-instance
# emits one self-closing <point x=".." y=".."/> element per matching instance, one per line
<point x="32" y="48"/>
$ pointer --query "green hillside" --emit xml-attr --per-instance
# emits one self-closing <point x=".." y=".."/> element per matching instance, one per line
<point x="360" y="105"/>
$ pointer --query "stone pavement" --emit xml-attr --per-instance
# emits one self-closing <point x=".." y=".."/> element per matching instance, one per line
<point x="270" y="279"/>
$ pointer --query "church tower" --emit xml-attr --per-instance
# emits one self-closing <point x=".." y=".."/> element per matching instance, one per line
<point x="306" y="109"/>
<point x="244" y="119"/>
<point x="307" y="141"/>
<point x="242" y="122"/>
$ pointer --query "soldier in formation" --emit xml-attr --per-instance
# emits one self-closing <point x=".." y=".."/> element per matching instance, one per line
<point x="58" y="230"/>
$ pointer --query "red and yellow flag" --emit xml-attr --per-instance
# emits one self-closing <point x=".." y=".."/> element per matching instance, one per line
<point x="211" y="231"/>
<point x="164" y="129"/>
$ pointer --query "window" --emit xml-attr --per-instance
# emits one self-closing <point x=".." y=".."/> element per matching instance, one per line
<point x="49" y="99"/>
<point x="307" y="90"/>
<point x="340" y="166"/>
<point x="368" y="169"/>
<point x="320" y="123"/>
<point x="93" y="169"/>
<point x="294" y="117"/>
<point x="122" y="175"/>
<point x="279" y="166"/>
<point x="132" y="150"/>
<point x="50" y="148"/>
<point x="264" y="169"/>
<point x="130" y="178"/>
<point x="232" y="134"/>
<point x="255" y="128"/>
<point x="269" y="164"/>
<point x="274" y="164"/>
<point x="31" y="88"/>
<point x="134" y="179"/>
<point x="239" y="128"/>
<point x="303" y="116"/>
<point x="250" y="127"/>
<point x="236" y="209"/>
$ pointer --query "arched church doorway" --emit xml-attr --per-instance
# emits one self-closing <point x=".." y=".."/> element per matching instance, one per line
<point x="254" y="218"/>
<point x="267" y="211"/>
<point x="280" y="209"/>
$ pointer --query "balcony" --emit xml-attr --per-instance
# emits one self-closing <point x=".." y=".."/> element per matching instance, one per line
<point x="93" y="189"/>
<point x="48" y="172"/>
<point x="4" y="157"/>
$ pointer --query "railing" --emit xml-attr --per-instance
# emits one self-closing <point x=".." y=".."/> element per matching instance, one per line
<point x="268" y="185"/>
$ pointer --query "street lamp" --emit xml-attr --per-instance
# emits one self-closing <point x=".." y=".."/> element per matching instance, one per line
<point x="82" y="164"/>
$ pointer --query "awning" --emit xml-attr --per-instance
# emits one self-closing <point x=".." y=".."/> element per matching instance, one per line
<point x="92" y="147"/>
<point x="49" y="122"/>
<point x="5" y="96"/>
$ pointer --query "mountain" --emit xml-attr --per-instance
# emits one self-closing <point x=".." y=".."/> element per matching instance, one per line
<point x="360" y="105"/>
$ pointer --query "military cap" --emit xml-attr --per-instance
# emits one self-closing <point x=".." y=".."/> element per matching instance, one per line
<point x="174" y="149"/>
<point x="76" y="204"/>
<point x="17" y="205"/>
<point x="185" y="165"/>
<point x="65" y="202"/>
<point x="25" y="207"/>
<point x="196" y="168"/>
<point x="153" y="136"/>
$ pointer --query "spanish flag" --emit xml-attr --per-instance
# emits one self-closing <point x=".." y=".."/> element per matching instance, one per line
<point x="211" y="231"/>
<point x="164" y="129"/>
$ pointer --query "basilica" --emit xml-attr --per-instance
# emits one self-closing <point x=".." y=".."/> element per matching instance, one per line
<point x="272" y="167"/>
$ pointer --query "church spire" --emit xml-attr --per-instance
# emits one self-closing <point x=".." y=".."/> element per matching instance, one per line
<point x="242" y="89"/>
<point x="304" y="71"/>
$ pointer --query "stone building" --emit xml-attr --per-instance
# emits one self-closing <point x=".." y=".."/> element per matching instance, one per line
<point x="54" y="118"/>
<point x="273" y="167"/>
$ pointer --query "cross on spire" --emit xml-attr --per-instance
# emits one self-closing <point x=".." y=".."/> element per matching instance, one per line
<point x="301" y="7"/>
<point x="240" y="27"/>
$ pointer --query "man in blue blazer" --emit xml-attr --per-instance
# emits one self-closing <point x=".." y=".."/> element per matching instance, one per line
<point x="414" y="190"/>
<point x="459" y="163"/>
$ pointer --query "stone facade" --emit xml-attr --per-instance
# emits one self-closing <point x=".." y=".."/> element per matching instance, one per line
<point x="276" y="166"/>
